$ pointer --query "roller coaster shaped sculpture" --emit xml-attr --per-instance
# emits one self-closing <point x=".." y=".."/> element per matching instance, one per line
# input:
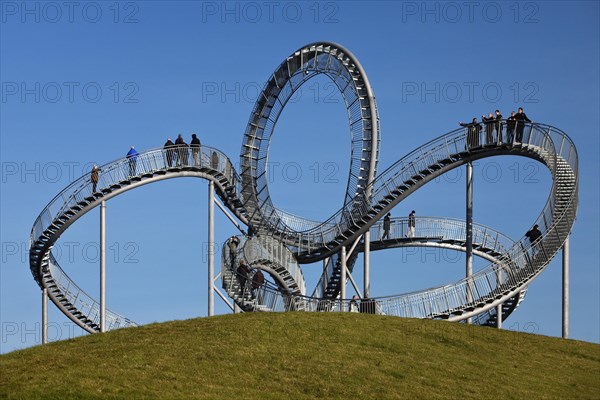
<point x="285" y="241"/>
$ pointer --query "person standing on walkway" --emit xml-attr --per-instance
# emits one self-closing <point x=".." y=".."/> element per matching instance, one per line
<point x="521" y="118"/>
<point x="233" y="245"/>
<point x="510" y="128"/>
<point x="195" y="145"/>
<point x="132" y="156"/>
<point x="257" y="281"/>
<point x="473" y="130"/>
<point x="387" y="223"/>
<point x="489" y="128"/>
<point x="411" y="224"/>
<point x="94" y="177"/>
<point x="169" y="148"/>
<point x="498" y="126"/>
<point x="182" y="151"/>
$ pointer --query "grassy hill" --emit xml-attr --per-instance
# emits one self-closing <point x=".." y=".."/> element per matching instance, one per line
<point x="305" y="356"/>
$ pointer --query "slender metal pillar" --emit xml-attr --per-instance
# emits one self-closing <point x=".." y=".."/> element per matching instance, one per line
<point x="211" y="250"/>
<point x="565" y="289"/>
<point x="343" y="279"/>
<point x="325" y="279"/>
<point x="103" y="266"/>
<point x="44" y="316"/>
<point x="469" y="233"/>
<point x="499" y="306"/>
<point x="367" y="262"/>
<point x="499" y="316"/>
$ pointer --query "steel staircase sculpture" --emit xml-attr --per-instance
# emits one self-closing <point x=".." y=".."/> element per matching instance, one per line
<point x="284" y="241"/>
<point x="116" y="178"/>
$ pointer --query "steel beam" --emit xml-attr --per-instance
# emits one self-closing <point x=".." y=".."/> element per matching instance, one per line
<point x="469" y="233"/>
<point x="565" y="289"/>
<point x="103" y="266"/>
<point x="211" y="249"/>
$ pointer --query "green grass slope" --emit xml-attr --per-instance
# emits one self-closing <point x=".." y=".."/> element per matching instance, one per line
<point x="305" y="356"/>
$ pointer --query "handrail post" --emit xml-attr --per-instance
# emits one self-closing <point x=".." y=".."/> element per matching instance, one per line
<point x="565" y="289"/>
<point x="367" y="264"/>
<point x="343" y="279"/>
<point x="44" y="315"/>
<point x="469" y="233"/>
<point x="103" y="266"/>
<point x="211" y="250"/>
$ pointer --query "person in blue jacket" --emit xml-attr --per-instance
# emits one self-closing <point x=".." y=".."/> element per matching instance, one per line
<point x="132" y="156"/>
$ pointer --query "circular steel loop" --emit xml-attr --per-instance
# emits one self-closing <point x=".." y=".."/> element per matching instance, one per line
<point x="340" y="65"/>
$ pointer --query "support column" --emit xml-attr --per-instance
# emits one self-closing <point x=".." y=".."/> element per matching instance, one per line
<point x="103" y="266"/>
<point x="367" y="262"/>
<point x="211" y="249"/>
<point x="324" y="284"/>
<point x="44" y="316"/>
<point x="469" y="233"/>
<point x="343" y="279"/>
<point x="565" y="289"/>
<point x="499" y="316"/>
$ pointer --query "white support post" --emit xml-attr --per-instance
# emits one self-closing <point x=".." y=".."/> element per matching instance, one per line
<point x="211" y="249"/>
<point x="499" y="306"/>
<point x="499" y="316"/>
<point x="343" y="279"/>
<point x="565" y="289"/>
<point x="469" y="233"/>
<point x="44" y="316"/>
<point x="367" y="264"/>
<point x="103" y="266"/>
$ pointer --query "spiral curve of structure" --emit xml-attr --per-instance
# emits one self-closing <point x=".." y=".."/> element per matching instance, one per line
<point x="285" y="241"/>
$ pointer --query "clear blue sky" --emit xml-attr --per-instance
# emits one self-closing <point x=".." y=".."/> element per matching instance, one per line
<point x="82" y="84"/>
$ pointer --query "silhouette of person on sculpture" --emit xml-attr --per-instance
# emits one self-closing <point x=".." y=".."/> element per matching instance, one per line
<point x="498" y="126"/>
<point x="182" y="151"/>
<point x="94" y="177"/>
<point x="473" y="130"/>
<point x="257" y="281"/>
<point x="521" y="118"/>
<point x="214" y="160"/>
<point x="242" y="274"/>
<point x="353" y="306"/>
<point x="411" y="224"/>
<point x="489" y="128"/>
<point x="169" y="148"/>
<point x="233" y="245"/>
<point x="511" y="122"/>
<point x="387" y="223"/>
<point x="195" y="145"/>
<point x="534" y="235"/>
<point x="132" y="156"/>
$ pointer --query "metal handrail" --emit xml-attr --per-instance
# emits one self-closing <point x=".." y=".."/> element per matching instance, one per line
<point x="428" y="228"/>
<point x="450" y="145"/>
<point x="117" y="173"/>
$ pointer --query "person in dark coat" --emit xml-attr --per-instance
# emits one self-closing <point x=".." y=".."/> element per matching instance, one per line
<point x="473" y="130"/>
<point x="511" y="122"/>
<point x="521" y="118"/>
<point x="387" y="224"/>
<point x="498" y="126"/>
<point x="534" y="234"/>
<point x="94" y="177"/>
<point x="242" y="274"/>
<point x="195" y="145"/>
<point x="182" y="151"/>
<point x="169" y="148"/>
<point x="411" y="224"/>
<point x="233" y="245"/>
<point x="257" y="281"/>
<point x="132" y="156"/>
<point x="489" y="128"/>
<point x="214" y="160"/>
